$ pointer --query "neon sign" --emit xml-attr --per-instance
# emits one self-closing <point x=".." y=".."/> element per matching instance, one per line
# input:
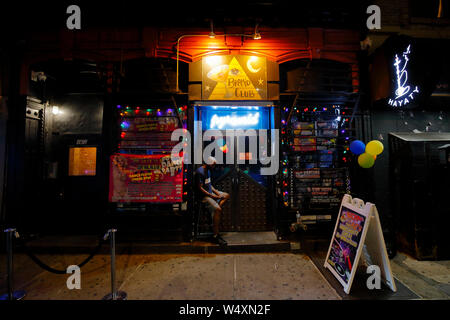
<point x="403" y="93"/>
<point x="250" y="119"/>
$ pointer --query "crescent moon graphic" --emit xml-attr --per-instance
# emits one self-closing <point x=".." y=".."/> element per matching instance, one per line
<point x="249" y="67"/>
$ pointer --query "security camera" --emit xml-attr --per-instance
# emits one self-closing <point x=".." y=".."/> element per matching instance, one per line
<point x="366" y="43"/>
<point x="41" y="76"/>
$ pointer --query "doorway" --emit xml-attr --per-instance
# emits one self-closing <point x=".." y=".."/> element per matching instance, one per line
<point x="240" y="172"/>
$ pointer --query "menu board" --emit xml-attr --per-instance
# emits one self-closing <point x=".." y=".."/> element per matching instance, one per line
<point x="346" y="242"/>
<point x="82" y="161"/>
<point x="145" y="178"/>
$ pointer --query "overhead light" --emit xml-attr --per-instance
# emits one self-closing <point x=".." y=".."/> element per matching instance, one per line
<point x="256" y="35"/>
<point x="55" y="110"/>
<point x="212" y="35"/>
<point x="213" y="60"/>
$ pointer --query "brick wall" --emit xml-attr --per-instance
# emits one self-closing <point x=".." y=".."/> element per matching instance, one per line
<point x="396" y="18"/>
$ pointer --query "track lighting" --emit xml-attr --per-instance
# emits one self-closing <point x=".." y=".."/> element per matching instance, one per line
<point x="256" y="35"/>
<point x="212" y="35"/>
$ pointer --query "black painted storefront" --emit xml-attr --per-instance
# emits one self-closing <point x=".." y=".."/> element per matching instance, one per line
<point x="426" y="114"/>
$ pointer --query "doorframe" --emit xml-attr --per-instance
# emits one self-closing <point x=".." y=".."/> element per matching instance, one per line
<point x="274" y="123"/>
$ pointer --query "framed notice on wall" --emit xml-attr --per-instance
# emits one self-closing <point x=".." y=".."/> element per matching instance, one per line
<point x="145" y="178"/>
<point x="357" y="231"/>
<point x="82" y="161"/>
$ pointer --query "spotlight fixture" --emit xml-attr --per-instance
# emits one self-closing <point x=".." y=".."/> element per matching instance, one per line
<point x="212" y="35"/>
<point x="256" y="35"/>
<point x="55" y="110"/>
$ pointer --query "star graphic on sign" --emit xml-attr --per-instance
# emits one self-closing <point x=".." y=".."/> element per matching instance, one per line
<point x="207" y="88"/>
<point x="260" y="81"/>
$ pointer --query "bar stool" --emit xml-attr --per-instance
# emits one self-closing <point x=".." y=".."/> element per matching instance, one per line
<point x="203" y="221"/>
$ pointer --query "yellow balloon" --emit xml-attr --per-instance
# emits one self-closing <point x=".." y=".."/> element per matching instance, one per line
<point x="374" y="147"/>
<point x="366" y="160"/>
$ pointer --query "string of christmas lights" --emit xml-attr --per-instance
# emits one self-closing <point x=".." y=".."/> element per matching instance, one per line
<point x="339" y="114"/>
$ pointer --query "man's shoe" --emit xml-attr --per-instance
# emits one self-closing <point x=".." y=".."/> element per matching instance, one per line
<point x="219" y="240"/>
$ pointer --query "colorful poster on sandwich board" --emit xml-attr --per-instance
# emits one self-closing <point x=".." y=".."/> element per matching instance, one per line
<point x="357" y="230"/>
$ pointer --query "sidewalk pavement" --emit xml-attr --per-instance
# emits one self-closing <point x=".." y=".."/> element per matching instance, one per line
<point x="273" y="276"/>
<point x="256" y="266"/>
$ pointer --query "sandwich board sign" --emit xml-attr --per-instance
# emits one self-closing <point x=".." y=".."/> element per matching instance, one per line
<point x="357" y="235"/>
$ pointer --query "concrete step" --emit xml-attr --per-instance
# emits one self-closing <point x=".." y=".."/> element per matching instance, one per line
<point x="238" y="242"/>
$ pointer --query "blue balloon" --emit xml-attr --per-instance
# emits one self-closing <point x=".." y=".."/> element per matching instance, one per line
<point x="357" y="147"/>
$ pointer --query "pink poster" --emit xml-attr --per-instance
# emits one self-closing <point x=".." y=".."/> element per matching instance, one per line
<point x="145" y="178"/>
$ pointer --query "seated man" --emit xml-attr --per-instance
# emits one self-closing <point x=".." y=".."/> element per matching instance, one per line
<point x="213" y="198"/>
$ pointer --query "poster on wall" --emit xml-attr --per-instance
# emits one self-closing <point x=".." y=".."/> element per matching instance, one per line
<point x="82" y="161"/>
<point x="234" y="77"/>
<point x="357" y="230"/>
<point x="160" y="124"/>
<point x="145" y="178"/>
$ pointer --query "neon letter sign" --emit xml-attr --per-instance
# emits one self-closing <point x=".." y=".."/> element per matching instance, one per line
<point x="235" y="121"/>
<point x="401" y="93"/>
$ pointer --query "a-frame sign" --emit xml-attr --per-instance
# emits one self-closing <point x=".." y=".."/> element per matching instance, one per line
<point x="357" y="230"/>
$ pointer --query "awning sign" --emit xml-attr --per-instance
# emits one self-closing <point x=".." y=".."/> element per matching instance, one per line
<point x="234" y="78"/>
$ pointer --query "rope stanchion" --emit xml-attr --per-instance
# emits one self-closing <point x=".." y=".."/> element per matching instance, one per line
<point x="11" y="295"/>
<point x="114" y="295"/>
<point x="41" y="264"/>
<point x="17" y="295"/>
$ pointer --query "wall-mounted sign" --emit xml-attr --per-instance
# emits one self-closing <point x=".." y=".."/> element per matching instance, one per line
<point x="221" y="118"/>
<point x="234" y="77"/>
<point x="142" y="124"/>
<point x="219" y="122"/>
<point x="404" y="72"/>
<point x="405" y="91"/>
<point x="145" y="178"/>
<point x="82" y="161"/>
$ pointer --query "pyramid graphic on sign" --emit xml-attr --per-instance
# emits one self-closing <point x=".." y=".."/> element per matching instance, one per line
<point x="237" y="85"/>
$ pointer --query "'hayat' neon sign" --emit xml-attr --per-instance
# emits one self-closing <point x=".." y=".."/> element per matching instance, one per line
<point x="403" y="93"/>
<point x="219" y="122"/>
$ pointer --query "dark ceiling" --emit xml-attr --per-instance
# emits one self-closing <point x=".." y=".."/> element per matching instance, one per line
<point x="44" y="15"/>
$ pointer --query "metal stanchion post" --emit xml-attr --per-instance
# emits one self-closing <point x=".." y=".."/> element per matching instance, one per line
<point x="114" y="295"/>
<point x="11" y="295"/>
